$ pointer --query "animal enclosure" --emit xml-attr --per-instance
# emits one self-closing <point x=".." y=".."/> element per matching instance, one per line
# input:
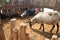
<point x="33" y="33"/>
<point x="13" y="30"/>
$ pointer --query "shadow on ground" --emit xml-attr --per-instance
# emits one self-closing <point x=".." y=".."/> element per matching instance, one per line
<point x="45" y="34"/>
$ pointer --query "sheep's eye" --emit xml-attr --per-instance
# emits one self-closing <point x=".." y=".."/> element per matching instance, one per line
<point x="50" y="14"/>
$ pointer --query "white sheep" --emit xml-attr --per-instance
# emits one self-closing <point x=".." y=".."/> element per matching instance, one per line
<point x="50" y="18"/>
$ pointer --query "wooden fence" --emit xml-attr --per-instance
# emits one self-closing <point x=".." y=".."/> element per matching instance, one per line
<point x="46" y="3"/>
<point x="17" y="7"/>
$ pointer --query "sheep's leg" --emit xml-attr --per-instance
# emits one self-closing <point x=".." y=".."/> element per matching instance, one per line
<point x="52" y="28"/>
<point x="42" y="25"/>
<point x="57" y="27"/>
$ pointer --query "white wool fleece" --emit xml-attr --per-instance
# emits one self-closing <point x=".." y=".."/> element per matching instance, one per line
<point x="44" y="17"/>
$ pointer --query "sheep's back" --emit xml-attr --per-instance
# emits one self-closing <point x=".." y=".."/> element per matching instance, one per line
<point x="46" y="18"/>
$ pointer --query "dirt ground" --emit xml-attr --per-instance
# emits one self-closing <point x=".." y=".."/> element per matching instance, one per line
<point x="34" y="33"/>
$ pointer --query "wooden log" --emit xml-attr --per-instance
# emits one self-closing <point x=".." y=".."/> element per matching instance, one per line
<point x="11" y="28"/>
<point x="54" y="37"/>
<point x="22" y="31"/>
<point x="15" y="34"/>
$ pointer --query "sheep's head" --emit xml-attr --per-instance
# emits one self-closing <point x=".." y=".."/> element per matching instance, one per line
<point x="30" y="24"/>
<point x="32" y="21"/>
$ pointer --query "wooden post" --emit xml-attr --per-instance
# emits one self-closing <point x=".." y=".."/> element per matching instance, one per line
<point x="54" y="37"/>
<point x="27" y="36"/>
<point x="13" y="22"/>
<point x="11" y="28"/>
<point x="15" y="34"/>
<point x="22" y="31"/>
